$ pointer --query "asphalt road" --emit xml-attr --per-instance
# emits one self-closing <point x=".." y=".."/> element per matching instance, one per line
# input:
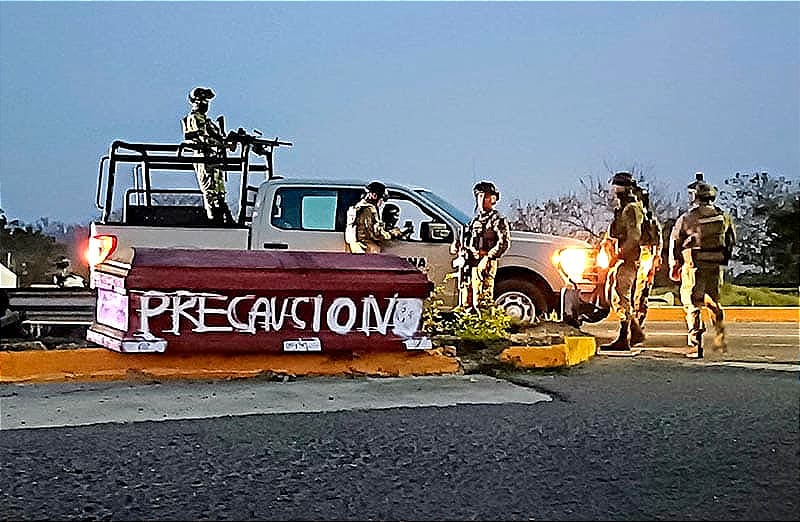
<point x="747" y="342"/>
<point x="637" y="438"/>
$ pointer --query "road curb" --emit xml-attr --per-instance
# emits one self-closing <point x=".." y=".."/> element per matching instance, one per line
<point x="575" y="350"/>
<point x="100" y="364"/>
<point x="734" y="314"/>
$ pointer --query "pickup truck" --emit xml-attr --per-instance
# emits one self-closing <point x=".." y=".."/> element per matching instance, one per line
<point x="310" y="214"/>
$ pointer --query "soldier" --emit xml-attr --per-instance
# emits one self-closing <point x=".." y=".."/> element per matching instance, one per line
<point x="208" y="140"/>
<point x="390" y="217"/>
<point x="651" y="244"/>
<point x="700" y="244"/>
<point x="365" y="232"/>
<point x="622" y="238"/>
<point x="486" y="239"/>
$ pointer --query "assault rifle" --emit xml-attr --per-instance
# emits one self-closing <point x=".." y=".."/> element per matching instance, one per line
<point x="462" y="262"/>
<point x="255" y="142"/>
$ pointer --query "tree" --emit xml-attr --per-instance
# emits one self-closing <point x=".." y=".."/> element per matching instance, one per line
<point x="29" y="252"/>
<point x="587" y="212"/>
<point x="764" y="211"/>
<point x="584" y="214"/>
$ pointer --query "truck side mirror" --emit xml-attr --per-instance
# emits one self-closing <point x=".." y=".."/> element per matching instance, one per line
<point x="433" y="232"/>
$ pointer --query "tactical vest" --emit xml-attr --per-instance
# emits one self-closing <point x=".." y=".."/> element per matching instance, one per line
<point x="651" y="231"/>
<point x="483" y="238"/>
<point x="705" y="230"/>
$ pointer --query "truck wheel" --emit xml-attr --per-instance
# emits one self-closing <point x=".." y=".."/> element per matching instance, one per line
<point x="521" y="299"/>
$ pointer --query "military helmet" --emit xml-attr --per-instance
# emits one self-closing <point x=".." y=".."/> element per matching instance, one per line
<point x="623" y="179"/>
<point x="378" y="188"/>
<point x="487" y="187"/>
<point x="200" y="94"/>
<point x="698" y="178"/>
<point x="704" y="191"/>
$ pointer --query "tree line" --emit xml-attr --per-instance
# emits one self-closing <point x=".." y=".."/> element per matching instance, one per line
<point x="765" y="210"/>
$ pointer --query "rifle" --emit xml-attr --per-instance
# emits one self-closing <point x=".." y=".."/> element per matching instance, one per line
<point x="257" y="144"/>
<point x="462" y="264"/>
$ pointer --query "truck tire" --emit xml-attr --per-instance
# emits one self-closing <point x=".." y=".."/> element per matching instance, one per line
<point x="521" y="299"/>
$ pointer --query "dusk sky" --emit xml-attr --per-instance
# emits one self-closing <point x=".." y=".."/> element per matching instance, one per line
<point x="531" y="95"/>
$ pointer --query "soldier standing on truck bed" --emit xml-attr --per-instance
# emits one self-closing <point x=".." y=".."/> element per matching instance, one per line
<point x="207" y="140"/>
<point x="700" y="244"/>
<point x="486" y="238"/>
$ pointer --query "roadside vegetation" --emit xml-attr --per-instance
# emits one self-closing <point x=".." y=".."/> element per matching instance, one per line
<point x="736" y="295"/>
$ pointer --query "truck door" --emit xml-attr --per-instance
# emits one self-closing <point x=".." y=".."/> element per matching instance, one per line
<point x="427" y="247"/>
<point x="302" y="218"/>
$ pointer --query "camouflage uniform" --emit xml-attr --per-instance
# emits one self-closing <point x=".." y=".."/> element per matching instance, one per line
<point x="649" y="261"/>
<point x="208" y="140"/>
<point x="700" y="244"/>
<point x="365" y="232"/>
<point x="625" y="231"/>
<point x="487" y="238"/>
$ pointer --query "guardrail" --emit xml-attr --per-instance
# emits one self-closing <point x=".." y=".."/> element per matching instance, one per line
<point x="41" y="308"/>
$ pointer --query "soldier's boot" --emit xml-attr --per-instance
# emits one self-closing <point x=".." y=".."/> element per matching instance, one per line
<point x="695" y="345"/>
<point x="621" y="342"/>
<point x="219" y="216"/>
<point x="640" y="317"/>
<point x="637" y="335"/>
<point x="229" y="221"/>
<point x="719" y="338"/>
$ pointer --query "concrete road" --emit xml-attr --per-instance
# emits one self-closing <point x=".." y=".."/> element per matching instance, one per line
<point x="77" y="404"/>
<point x="747" y="342"/>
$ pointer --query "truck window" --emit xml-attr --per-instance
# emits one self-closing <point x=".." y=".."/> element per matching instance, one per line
<point x="304" y="208"/>
<point x="319" y="212"/>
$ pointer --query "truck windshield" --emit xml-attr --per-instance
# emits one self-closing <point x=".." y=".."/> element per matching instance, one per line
<point x="445" y="205"/>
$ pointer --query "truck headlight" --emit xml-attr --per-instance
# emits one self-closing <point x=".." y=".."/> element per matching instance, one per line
<point x="603" y="259"/>
<point x="573" y="262"/>
<point x="100" y="247"/>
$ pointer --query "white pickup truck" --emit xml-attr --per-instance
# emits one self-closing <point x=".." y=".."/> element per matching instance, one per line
<point x="309" y="215"/>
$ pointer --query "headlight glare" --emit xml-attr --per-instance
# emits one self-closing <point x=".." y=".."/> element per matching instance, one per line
<point x="573" y="262"/>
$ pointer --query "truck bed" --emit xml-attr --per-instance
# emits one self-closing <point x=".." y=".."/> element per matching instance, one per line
<point x="171" y="237"/>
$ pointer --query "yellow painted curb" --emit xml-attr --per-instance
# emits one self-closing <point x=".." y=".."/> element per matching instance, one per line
<point x="100" y="364"/>
<point x="739" y="314"/>
<point x="575" y="350"/>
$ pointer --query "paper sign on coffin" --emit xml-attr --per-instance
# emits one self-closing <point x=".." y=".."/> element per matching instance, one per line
<point x="191" y="301"/>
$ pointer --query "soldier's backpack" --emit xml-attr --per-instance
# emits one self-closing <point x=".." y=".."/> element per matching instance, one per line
<point x="651" y="230"/>
<point x="707" y="228"/>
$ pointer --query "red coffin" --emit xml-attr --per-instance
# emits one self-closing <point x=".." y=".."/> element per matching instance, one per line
<point x="192" y="301"/>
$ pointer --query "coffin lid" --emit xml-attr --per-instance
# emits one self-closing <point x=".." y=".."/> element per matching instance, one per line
<point x="268" y="260"/>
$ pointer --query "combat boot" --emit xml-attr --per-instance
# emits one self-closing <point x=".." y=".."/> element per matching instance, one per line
<point x="637" y="335"/>
<point x="621" y="342"/>
<point x="695" y="343"/>
<point x="719" y="340"/>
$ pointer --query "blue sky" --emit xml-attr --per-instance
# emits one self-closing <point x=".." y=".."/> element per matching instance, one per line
<point x="531" y="95"/>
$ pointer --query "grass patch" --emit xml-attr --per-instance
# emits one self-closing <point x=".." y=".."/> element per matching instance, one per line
<point x="735" y="295"/>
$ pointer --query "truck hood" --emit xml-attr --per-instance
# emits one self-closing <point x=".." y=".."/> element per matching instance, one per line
<point x="518" y="236"/>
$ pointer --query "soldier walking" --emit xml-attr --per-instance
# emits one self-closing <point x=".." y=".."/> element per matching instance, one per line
<point x="365" y="232"/>
<point x="650" y="244"/>
<point x="486" y="238"/>
<point x="207" y="139"/>
<point x="623" y="240"/>
<point x="700" y="244"/>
